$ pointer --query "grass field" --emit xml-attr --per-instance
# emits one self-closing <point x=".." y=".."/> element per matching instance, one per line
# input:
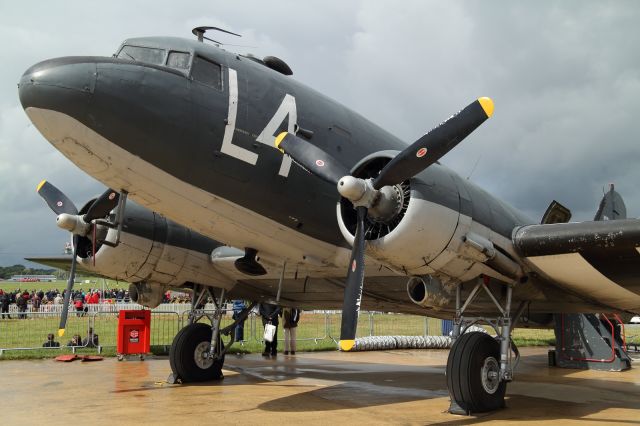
<point x="316" y="331"/>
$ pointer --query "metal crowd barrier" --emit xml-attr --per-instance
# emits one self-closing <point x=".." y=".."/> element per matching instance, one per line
<point x="30" y="332"/>
<point x="103" y="307"/>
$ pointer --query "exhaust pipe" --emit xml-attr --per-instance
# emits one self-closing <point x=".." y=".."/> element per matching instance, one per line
<point x="428" y="292"/>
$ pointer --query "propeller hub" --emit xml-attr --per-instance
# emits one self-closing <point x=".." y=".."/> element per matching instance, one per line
<point x="73" y="223"/>
<point x="359" y="191"/>
<point x="352" y="188"/>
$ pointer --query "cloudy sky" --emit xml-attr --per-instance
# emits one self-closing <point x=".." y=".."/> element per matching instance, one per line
<point x="565" y="78"/>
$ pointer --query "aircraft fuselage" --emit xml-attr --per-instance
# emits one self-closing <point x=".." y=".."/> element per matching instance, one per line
<point x="198" y="147"/>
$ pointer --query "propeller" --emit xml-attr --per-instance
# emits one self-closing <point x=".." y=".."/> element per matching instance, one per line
<point x="102" y="206"/>
<point x="79" y="226"/>
<point x="365" y="194"/>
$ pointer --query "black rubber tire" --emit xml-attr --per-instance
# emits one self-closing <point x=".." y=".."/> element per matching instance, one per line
<point x="181" y="355"/>
<point x="464" y="367"/>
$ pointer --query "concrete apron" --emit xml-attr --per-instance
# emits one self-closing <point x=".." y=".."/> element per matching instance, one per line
<point x="395" y="387"/>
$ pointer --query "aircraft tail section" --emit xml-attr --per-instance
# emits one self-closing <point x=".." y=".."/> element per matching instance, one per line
<point x="611" y="207"/>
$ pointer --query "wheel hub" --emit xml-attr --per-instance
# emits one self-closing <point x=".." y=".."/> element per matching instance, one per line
<point x="490" y="375"/>
<point x="201" y="355"/>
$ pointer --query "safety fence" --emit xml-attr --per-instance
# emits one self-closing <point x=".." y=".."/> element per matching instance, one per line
<point x="99" y="307"/>
<point x="30" y="331"/>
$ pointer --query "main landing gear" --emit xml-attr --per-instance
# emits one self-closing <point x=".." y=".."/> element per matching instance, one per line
<point x="479" y="366"/>
<point x="197" y="352"/>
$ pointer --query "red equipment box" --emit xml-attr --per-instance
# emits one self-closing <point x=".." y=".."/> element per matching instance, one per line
<point x="134" y="332"/>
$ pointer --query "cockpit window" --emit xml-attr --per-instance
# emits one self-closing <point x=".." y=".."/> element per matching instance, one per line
<point x="142" y="54"/>
<point x="179" y="60"/>
<point x="207" y="72"/>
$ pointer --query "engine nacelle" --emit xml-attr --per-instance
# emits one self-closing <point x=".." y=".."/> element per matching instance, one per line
<point x="146" y="294"/>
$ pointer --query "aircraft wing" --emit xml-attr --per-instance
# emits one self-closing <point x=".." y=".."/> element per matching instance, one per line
<point x="598" y="260"/>
<point x="64" y="263"/>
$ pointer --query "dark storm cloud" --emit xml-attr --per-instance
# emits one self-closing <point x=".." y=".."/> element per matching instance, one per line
<point x="565" y="77"/>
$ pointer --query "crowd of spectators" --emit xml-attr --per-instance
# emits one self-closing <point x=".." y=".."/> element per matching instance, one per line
<point x="45" y="300"/>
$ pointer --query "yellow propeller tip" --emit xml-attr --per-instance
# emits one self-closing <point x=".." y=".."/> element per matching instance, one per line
<point x="279" y="140"/>
<point x="347" y="345"/>
<point x="40" y="185"/>
<point x="487" y="105"/>
<point x="60" y="332"/>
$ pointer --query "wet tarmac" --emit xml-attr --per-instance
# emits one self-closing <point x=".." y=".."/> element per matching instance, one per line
<point x="394" y="387"/>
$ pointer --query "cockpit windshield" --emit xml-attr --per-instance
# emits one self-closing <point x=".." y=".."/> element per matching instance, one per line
<point x="143" y="54"/>
<point x="151" y="55"/>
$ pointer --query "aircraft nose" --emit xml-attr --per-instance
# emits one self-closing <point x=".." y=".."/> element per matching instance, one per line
<point x="61" y="84"/>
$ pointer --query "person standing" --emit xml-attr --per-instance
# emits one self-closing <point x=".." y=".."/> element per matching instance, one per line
<point x="238" y="307"/>
<point x="269" y="314"/>
<point x="21" y="302"/>
<point x="5" y="299"/>
<point x="291" y="317"/>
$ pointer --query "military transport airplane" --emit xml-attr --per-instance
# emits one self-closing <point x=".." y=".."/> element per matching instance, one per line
<point x="232" y="147"/>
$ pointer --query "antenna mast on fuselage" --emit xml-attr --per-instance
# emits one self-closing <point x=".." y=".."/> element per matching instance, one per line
<point x="200" y="31"/>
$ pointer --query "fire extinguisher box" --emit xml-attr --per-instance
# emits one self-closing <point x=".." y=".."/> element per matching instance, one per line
<point x="134" y="332"/>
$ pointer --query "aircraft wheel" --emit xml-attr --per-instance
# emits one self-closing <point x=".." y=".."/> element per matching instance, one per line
<point x="473" y="369"/>
<point x="187" y="355"/>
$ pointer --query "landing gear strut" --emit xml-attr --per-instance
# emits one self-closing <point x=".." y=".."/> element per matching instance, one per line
<point x="479" y="366"/>
<point x="197" y="352"/>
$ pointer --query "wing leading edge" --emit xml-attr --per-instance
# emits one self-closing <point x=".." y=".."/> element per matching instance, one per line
<point x="599" y="260"/>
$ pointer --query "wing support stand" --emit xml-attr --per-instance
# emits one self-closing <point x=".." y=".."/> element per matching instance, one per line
<point x="494" y="371"/>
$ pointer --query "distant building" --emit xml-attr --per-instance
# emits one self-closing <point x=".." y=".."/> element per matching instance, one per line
<point x="33" y="278"/>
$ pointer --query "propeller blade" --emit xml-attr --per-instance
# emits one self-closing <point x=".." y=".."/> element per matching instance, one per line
<point x="58" y="202"/>
<point x="67" y="294"/>
<point x="311" y="158"/>
<point x="102" y="205"/>
<point x="353" y="288"/>
<point x="435" y="144"/>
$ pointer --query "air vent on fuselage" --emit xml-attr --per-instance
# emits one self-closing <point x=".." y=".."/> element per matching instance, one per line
<point x="272" y="62"/>
<point x="277" y="64"/>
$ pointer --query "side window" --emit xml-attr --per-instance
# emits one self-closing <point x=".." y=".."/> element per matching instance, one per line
<point x="179" y="60"/>
<point x="207" y="72"/>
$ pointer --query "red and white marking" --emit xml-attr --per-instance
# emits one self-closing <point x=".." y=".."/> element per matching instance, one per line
<point x="421" y="152"/>
<point x="319" y="163"/>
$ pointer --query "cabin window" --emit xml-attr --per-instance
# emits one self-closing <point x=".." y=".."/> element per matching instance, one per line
<point x="142" y="54"/>
<point x="207" y="72"/>
<point x="179" y="60"/>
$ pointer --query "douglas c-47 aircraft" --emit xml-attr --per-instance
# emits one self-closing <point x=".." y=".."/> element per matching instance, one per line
<point x="218" y="146"/>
